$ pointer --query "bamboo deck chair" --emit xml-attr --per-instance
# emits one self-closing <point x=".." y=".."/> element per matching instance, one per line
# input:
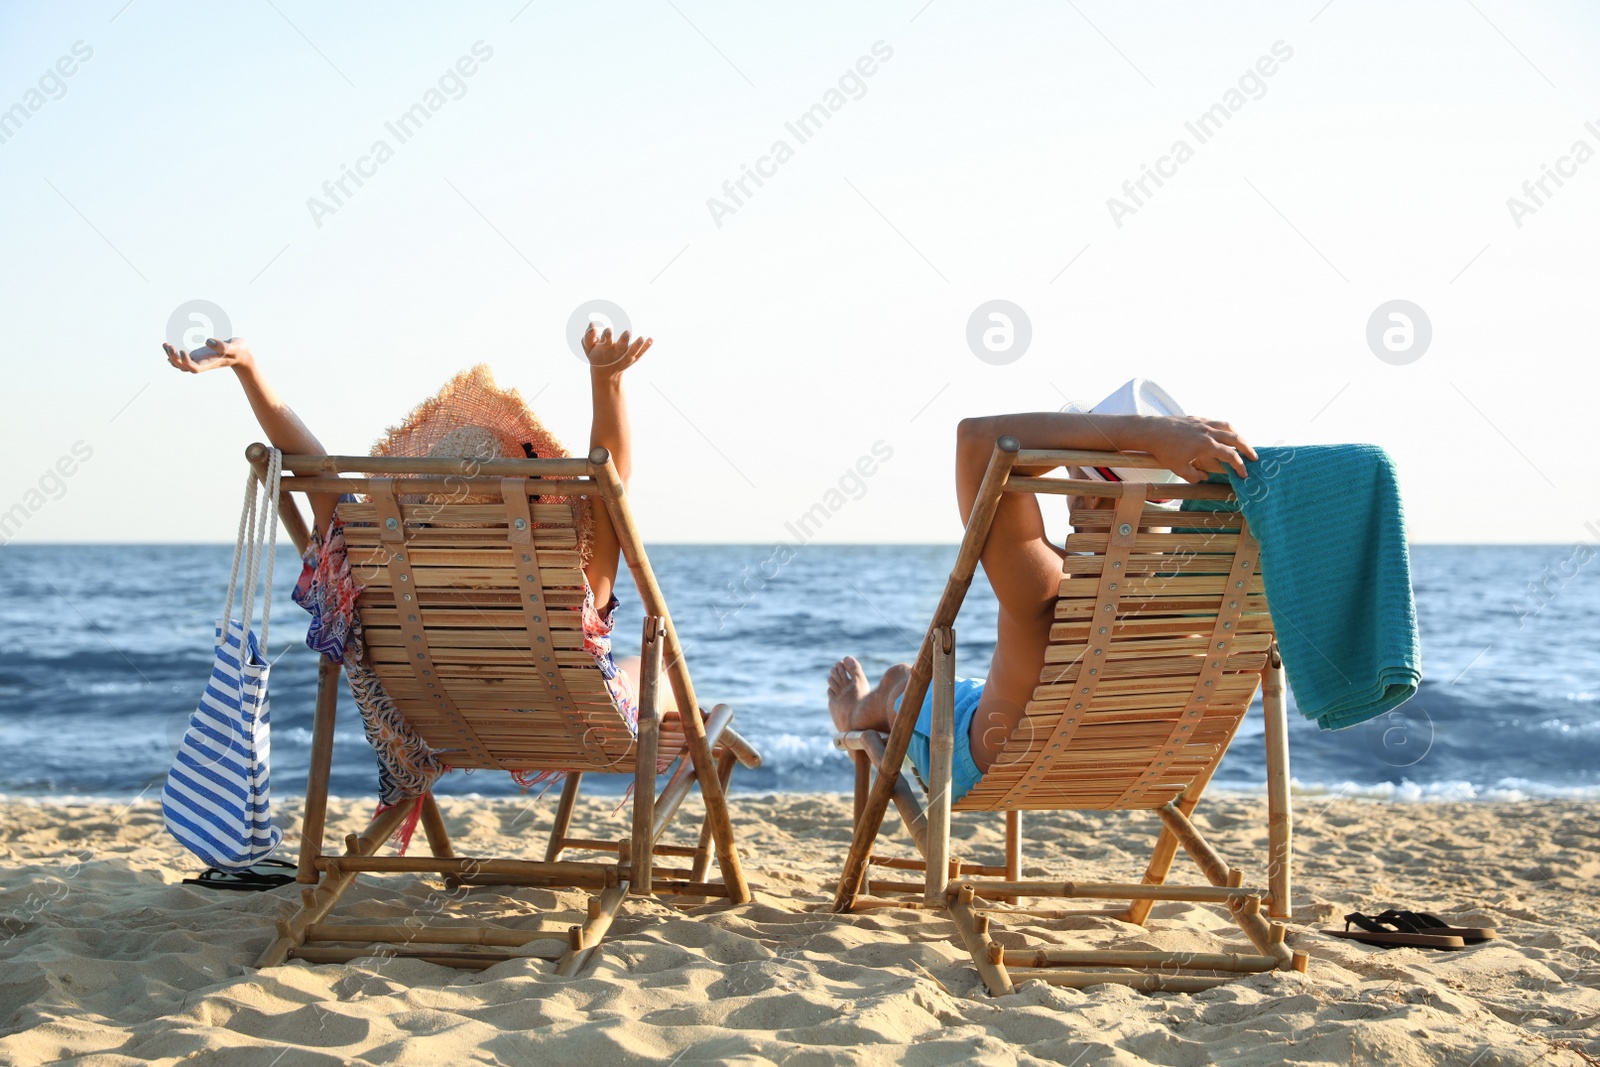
<point x="471" y="610"/>
<point x="1161" y="636"/>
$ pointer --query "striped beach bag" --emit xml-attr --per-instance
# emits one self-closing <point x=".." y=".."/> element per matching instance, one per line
<point x="217" y="800"/>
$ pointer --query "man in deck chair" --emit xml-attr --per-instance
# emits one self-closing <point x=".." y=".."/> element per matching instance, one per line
<point x="469" y="418"/>
<point x="1024" y="568"/>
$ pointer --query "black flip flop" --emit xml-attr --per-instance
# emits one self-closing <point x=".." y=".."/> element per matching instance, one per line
<point x="267" y="874"/>
<point x="1392" y="933"/>
<point x="1424" y="923"/>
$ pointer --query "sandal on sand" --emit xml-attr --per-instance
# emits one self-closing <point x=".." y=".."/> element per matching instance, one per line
<point x="1389" y="931"/>
<point x="1424" y="923"/>
<point x="267" y="874"/>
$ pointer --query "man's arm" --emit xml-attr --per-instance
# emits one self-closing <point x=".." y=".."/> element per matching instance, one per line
<point x="1190" y="447"/>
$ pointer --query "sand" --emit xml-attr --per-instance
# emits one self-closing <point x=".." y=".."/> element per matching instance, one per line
<point x="105" y="958"/>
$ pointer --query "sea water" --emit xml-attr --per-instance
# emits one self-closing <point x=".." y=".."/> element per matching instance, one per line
<point x="104" y="651"/>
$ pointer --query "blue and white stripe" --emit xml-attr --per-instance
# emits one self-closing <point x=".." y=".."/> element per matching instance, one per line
<point x="217" y="799"/>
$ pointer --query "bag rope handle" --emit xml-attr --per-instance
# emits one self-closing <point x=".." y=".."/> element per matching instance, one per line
<point x="258" y="535"/>
<point x="247" y="514"/>
<point x="269" y="539"/>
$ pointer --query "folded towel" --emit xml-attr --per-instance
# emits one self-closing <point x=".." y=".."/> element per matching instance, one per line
<point x="1337" y="574"/>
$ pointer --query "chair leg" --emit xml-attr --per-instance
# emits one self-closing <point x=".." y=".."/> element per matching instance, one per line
<point x="720" y="823"/>
<point x="1280" y="814"/>
<point x="702" y="852"/>
<point x="1212" y="865"/>
<point x="973" y="930"/>
<point x="1155" y="873"/>
<point x="1013" y="852"/>
<point x="940" y="774"/>
<point x="863" y="789"/>
<point x="903" y="794"/>
<point x="583" y="941"/>
<point x="863" y="782"/>
<point x="558" y="832"/>
<point x="316" y="814"/>
<point x="645" y="753"/>
<point x="1013" y="846"/>
<point x="867" y="747"/>
<point x="317" y="901"/>
<point x="1267" y="937"/>
<point x="1165" y="852"/>
<point x="433" y="827"/>
<point x="900" y="792"/>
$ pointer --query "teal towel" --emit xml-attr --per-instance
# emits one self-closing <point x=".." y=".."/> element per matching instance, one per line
<point x="1337" y="574"/>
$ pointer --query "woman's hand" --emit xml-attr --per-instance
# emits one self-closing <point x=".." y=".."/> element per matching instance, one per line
<point x="1192" y="447"/>
<point x="608" y="356"/>
<point x="234" y="352"/>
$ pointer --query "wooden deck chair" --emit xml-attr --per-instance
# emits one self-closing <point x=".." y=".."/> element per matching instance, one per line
<point x="1161" y="636"/>
<point x="472" y="614"/>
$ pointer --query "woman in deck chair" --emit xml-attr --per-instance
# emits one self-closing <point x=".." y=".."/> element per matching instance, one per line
<point x="469" y="418"/>
<point x="1024" y="568"/>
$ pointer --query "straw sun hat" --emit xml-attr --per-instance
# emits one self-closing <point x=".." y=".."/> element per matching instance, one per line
<point x="473" y="418"/>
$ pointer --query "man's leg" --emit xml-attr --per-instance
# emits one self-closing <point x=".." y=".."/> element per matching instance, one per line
<point x="856" y="706"/>
<point x="1024" y="570"/>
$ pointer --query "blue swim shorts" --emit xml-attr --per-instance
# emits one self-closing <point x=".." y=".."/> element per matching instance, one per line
<point x="965" y="772"/>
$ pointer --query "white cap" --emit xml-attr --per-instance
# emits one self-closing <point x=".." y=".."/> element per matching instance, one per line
<point x="1137" y="396"/>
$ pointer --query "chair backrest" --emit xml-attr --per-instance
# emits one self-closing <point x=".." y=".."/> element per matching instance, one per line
<point x="472" y="595"/>
<point x="1161" y="631"/>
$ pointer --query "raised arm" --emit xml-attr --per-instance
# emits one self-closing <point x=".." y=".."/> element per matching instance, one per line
<point x="278" y="421"/>
<point x="608" y="358"/>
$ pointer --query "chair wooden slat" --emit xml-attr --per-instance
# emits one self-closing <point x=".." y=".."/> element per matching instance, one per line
<point x="492" y="617"/>
<point x="1130" y="626"/>
<point x="1258" y="639"/>
<point x="1077" y="608"/>
<point x="469" y="598"/>
<point x="467" y="538"/>
<point x="1088" y="519"/>
<point x="476" y="578"/>
<point x="435" y="516"/>
<point x="1151" y="586"/>
<point x="484" y="637"/>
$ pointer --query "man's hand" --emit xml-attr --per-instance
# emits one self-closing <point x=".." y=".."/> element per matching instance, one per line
<point x="234" y="352"/>
<point x="1192" y="447"/>
<point x="608" y="356"/>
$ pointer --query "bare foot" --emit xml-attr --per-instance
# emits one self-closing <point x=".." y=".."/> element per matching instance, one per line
<point x="847" y="688"/>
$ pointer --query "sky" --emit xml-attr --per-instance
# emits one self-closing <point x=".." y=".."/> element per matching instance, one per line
<point x="1356" y="154"/>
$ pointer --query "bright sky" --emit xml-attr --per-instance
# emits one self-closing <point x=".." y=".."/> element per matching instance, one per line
<point x="826" y="310"/>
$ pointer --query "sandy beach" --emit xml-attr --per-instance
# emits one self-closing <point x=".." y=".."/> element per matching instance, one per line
<point x="109" y="959"/>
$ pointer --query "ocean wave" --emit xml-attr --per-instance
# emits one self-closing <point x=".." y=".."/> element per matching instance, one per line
<point x="300" y="735"/>
<point x="1503" y="790"/>
<point x="105" y="689"/>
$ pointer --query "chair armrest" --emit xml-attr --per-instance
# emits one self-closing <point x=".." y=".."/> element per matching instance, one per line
<point x="742" y="750"/>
